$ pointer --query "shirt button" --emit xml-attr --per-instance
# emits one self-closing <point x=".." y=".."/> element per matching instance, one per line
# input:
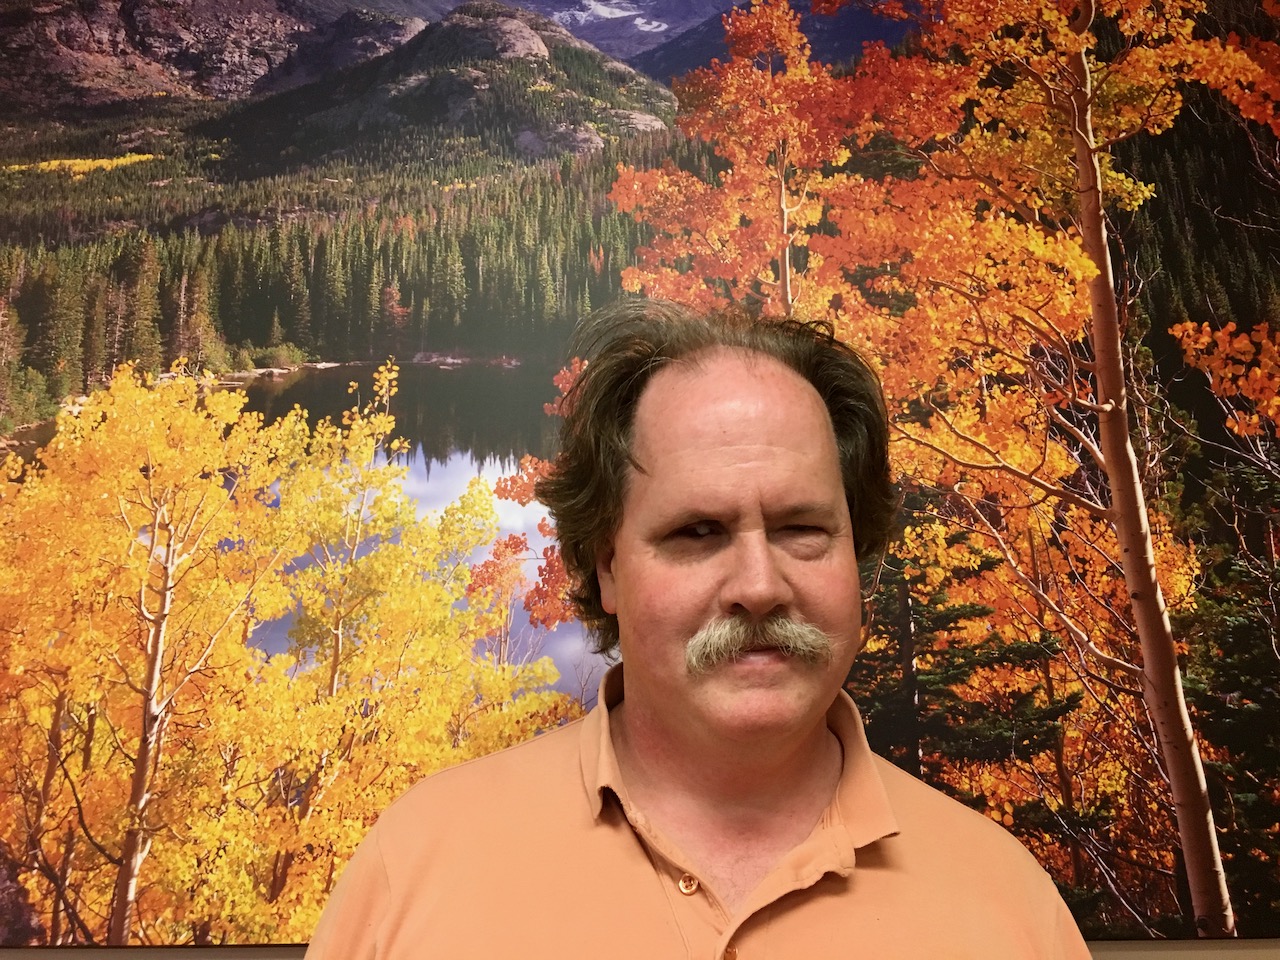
<point x="689" y="884"/>
<point x="731" y="952"/>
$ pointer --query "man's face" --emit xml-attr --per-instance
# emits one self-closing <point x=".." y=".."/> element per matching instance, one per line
<point x="739" y="511"/>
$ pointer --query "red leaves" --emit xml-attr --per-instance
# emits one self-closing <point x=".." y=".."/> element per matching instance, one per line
<point x="564" y="381"/>
<point x="547" y="600"/>
<point x="519" y="486"/>
<point x="501" y="572"/>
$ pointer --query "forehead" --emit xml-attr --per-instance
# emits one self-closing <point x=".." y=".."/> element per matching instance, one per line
<point x="729" y="397"/>
<point x="710" y="370"/>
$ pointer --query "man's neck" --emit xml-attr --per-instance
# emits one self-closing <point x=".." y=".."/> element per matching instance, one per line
<point x="725" y="774"/>
<point x="735" y="809"/>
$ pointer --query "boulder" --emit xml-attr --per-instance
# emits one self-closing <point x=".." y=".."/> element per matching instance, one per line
<point x="562" y="138"/>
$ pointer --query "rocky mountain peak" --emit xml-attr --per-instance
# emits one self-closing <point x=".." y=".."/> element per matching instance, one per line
<point x="487" y="30"/>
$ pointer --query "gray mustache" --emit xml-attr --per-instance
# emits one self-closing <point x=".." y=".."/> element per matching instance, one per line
<point x="727" y="638"/>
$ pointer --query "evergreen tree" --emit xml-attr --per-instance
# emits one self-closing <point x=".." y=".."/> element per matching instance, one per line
<point x="298" y="301"/>
<point x="333" y="315"/>
<point x="97" y="369"/>
<point x="449" y="287"/>
<point x="59" y="316"/>
<point x="140" y="268"/>
<point x="909" y="677"/>
<point x="1233" y="681"/>
<point x="275" y="333"/>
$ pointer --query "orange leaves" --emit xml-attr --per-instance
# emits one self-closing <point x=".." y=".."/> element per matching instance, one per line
<point x="767" y="96"/>
<point x="1243" y="368"/>
<point x="500" y="572"/>
<point x="1247" y="73"/>
<point x="765" y="30"/>
<point x="697" y="225"/>
<point x="779" y="122"/>
<point x="519" y="486"/>
<point x="564" y="381"/>
<point x="547" y="600"/>
<point x="915" y="100"/>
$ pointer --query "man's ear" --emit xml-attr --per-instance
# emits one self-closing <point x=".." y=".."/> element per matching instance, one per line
<point x="604" y="574"/>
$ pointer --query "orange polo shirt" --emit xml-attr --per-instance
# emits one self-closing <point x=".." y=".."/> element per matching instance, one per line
<point x="536" y="852"/>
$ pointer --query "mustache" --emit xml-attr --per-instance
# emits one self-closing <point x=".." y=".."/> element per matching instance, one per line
<point x="728" y="638"/>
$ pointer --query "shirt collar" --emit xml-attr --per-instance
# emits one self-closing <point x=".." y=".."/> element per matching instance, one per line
<point x="860" y="806"/>
<point x="600" y="771"/>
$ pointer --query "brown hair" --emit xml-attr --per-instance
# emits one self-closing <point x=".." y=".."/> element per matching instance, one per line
<point x="624" y="346"/>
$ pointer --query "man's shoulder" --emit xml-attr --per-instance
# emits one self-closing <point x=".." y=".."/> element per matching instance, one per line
<point x="524" y="805"/>
<point x="485" y="831"/>
<point x="544" y="769"/>
<point x="928" y="816"/>
<point x="979" y="882"/>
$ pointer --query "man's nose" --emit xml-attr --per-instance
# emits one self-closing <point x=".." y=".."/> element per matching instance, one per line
<point x="756" y="582"/>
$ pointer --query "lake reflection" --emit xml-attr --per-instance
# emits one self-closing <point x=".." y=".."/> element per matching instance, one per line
<point x="486" y="411"/>
<point x="470" y="420"/>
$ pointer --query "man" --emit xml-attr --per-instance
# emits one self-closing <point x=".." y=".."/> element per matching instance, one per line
<point x="718" y="482"/>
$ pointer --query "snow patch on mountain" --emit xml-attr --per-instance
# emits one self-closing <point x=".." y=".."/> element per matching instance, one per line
<point x="591" y="11"/>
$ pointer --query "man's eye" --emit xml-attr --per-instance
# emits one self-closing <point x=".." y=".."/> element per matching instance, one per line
<point x="807" y="535"/>
<point x="801" y="529"/>
<point x="703" y="528"/>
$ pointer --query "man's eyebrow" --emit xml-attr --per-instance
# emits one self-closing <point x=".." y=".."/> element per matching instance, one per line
<point x="813" y="510"/>
<point x="788" y="513"/>
<point x="687" y="515"/>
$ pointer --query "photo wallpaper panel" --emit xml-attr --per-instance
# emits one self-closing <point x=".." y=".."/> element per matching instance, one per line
<point x="285" y="293"/>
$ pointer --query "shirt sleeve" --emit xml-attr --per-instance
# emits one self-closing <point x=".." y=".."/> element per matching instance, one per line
<point x="351" y="925"/>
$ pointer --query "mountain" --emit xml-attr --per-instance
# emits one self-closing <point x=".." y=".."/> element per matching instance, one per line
<point x="86" y="53"/>
<point x="519" y="84"/>
<point x="834" y="39"/>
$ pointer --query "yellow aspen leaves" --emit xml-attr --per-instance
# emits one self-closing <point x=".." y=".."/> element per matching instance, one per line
<point x="167" y="778"/>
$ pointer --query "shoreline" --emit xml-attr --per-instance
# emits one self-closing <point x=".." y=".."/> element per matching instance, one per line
<point x="430" y="358"/>
<point x="25" y="439"/>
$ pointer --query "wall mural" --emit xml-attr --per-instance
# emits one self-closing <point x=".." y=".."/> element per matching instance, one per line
<point x="235" y="627"/>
